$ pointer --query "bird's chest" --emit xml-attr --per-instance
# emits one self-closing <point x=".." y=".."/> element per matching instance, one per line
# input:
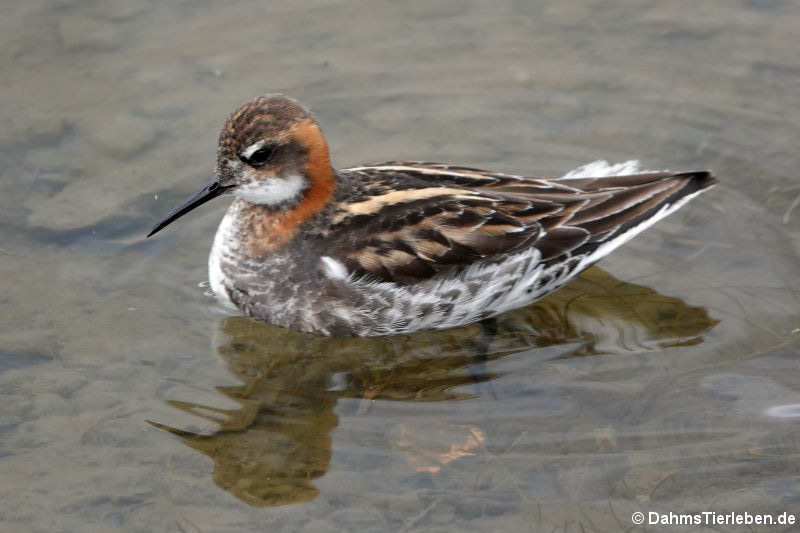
<point x="224" y="253"/>
<point x="239" y="277"/>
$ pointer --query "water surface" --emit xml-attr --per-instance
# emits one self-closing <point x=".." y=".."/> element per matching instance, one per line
<point x="665" y="380"/>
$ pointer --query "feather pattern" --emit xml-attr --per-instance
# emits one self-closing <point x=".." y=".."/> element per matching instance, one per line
<point x="404" y="245"/>
<point x="449" y="217"/>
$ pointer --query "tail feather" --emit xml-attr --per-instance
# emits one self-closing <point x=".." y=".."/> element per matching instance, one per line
<point x="639" y="202"/>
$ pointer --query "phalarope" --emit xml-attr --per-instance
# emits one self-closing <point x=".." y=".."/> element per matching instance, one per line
<point x="404" y="246"/>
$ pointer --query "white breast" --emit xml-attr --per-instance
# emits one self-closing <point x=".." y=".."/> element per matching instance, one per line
<point x="224" y="241"/>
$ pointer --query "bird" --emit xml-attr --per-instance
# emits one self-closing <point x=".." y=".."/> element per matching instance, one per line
<point x="403" y="246"/>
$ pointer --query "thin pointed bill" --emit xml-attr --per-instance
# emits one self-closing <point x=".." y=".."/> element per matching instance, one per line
<point x="211" y="190"/>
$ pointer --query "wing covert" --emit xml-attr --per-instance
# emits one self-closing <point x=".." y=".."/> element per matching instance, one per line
<point x="413" y="220"/>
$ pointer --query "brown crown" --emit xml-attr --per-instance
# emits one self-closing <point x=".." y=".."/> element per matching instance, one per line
<point x="266" y="117"/>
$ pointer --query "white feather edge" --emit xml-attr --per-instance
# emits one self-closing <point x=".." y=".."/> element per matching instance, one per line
<point x="603" y="169"/>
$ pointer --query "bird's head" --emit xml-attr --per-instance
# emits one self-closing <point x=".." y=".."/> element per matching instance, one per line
<point x="271" y="152"/>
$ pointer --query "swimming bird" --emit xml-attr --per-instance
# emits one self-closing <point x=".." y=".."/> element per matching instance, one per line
<point x="398" y="247"/>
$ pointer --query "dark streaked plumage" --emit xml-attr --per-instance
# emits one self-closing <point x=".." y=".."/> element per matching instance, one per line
<point x="439" y="217"/>
<point x="403" y="246"/>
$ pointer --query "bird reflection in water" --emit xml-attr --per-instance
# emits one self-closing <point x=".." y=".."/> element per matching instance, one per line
<point x="269" y="450"/>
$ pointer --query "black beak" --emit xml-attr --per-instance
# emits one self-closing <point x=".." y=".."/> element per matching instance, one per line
<point x="211" y="190"/>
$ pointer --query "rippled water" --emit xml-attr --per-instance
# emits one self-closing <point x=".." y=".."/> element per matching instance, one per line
<point x="667" y="381"/>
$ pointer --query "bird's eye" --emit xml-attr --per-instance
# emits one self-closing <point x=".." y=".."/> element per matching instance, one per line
<point x="260" y="157"/>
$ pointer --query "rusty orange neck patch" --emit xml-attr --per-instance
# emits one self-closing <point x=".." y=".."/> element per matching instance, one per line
<point x="266" y="230"/>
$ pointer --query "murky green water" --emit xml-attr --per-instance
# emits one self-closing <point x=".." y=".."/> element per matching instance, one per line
<point x="668" y="381"/>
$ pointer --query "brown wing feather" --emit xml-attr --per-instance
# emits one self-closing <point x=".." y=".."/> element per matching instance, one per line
<point x="419" y="219"/>
<point x="420" y="238"/>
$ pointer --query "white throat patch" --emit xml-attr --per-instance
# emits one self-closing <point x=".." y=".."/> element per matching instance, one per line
<point x="272" y="191"/>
